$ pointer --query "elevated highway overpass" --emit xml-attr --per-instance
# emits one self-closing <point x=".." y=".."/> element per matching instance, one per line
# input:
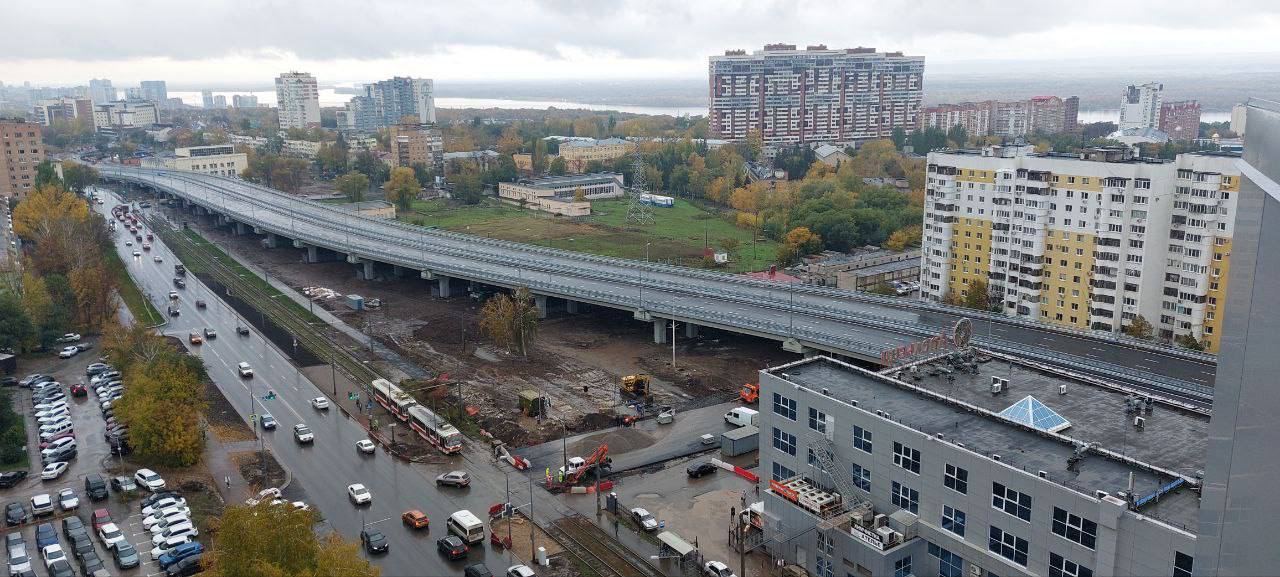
<point x="805" y="319"/>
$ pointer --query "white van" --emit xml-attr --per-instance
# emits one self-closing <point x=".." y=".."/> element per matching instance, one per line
<point x="742" y="416"/>
<point x="466" y="525"/>
<point x="49" y="432"/>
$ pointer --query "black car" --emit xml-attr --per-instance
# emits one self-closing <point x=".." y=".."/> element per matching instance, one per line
<point x="477" y="570"/>
<point x="242" y="330"/>
<point x="184" y="568"/>
<point x="8" y="381"/>
<point x="699" y="469"/>
<point x="72" y="525"/>
<point x="120" y="449"/>
<point x="452" y="547"/>
<point x="89" y="562"/>
<point x="177" y="282"/>
<point x="15" y="514"/>
<point x="173" y="311"/>
<point x="61" y="568"/>
<point x="11" y="478"/>
<point x="96" y="487"/>
<point x="126" y="555"/>
<point x="374" y="541"/>
<point x="81" y="545"/>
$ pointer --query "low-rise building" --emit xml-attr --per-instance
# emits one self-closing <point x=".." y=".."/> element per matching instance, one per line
<point x="830" y="155"/>
<point x="578" y="153"/>
<point x="861" y="269"/>
<point x="455" y="162"/>
<point x="556" y="194"/>
<point x="218" y="160"/>
<point x="49" y="111"/>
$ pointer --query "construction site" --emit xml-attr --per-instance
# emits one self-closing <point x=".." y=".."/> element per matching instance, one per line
<point x="573" y="380"/>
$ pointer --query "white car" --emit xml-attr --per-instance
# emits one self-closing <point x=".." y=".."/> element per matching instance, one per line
<point x="320" y="403"/>
<point x="366" y="446"/>
<point x="51" y="414"/>
<point x="166" y="504"/>
<point x="68" y="352"/>
<point x="271" y="493"/>
<point x="59" y="404"/>
<point x="303" y="434"/>
<point x="167" y="522"/>
<point x="128" y="243"/>
<point x="19" y="563"/>
<point x="520" y="571"/>
<point x="54" y="470"/>
<point x="643" y="518"/>
<point x="110" y="535"/>
<point x="149" y="479"/>
<point x="52" y="553"/>
<point x="169" y="545"/>
<point x="67" y="499"/>
<point x="358" y="494"/>
<point x="137" y="253"/>
<point x="56" y="445"/>
<point x="178" y="530"/>
<point x="165" y="517"/>
<point x="717" y="569"/>
<point x="246" y="371"/>
<point x="69" y="338"/>
<point x="157" y="258"/>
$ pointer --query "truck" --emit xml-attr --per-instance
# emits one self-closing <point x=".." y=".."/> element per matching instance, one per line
<point x="743" y="417"/>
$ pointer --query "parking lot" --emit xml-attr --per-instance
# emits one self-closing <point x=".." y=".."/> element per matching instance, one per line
<point x="93" y="456"/>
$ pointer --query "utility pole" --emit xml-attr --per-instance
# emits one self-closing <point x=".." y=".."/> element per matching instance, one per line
<point x="506" y="507"/>
<point x="533" y="547"/>
<point x="673" y="343"/>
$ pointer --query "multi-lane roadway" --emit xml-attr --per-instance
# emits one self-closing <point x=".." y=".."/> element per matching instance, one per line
<point x="840" y="322"/>
<point x="322" y="471"/>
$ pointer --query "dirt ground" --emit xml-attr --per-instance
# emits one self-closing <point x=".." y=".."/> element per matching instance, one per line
<point x="520" y="529"/>
<point x="222" y="418"/>
<point x="576" y="362"/>
<point x="253" y="471"/>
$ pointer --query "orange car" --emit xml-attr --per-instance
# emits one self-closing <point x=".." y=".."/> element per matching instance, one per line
<point x="415" y="519"/>
<point x="196" y="338"/>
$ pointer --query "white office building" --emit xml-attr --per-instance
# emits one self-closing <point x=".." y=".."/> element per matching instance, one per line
<point x="1140" y="106"/>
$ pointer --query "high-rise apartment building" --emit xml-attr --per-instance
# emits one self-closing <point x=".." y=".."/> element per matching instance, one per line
<point x="206" y="99"/>
<point x="220" y="101"/>
<point x="390" y="102"/>
<point x="1010" y="471"/>
<point x="101" y="91"/>
<point x="1238" y="116"/>
<point x="1238" y="510"/>
<point x="1180" y="120"/>
<point x="1088" y="240"/>
<point x="298" y="100"/>
<point x="1012" y="119"/>
<point x="155" y="90"/>
<point x="417" y="144"/>
<point x="48" y="112"/>
<point x="1140" y="106"/>
<point x="814" y="95"/>
<point x="21" y="150"/>
<point x="244" y="101"/>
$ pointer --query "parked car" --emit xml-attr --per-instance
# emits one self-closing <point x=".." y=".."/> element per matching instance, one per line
<point x="99" y="518"/>
<point x="123" y="483"/>
<point x="68" y="500"/>
<point x="95" y="487"/>
<point x="96" y="368"/>
<point x="72" y="526"/>
<point x="185" y="568"/>
<point x="163" y="504"/>
<point x="520" y="571"/>
<point x="68" y="352"/>
<point x="477" y="570"/>
<point x="126" y="556"/>
<point x="68" y="338"/>
<point x="717" y="569"/>
<point x="54" y="470"/>
<point x="453" y="479"/>
<point x="15" y="514"/>
<point x="195" y="338"/>
<point x="51" y="553"/>
<point x="45" y="535"/>
<point x="374" y="541"/>
<point x="696" y="470"/>
<point x="359" y="494"/>
<point x="79" y="390"/>
<point x="35" y="379"/>
<point x="149" y="479"/>
<point x="19" y="563"/>
<point x="10" y="479"/>
<point x="110" y="535"/>
<point x="644" y="519"/>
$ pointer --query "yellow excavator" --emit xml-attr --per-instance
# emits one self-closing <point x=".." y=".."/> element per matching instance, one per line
<point x="636" y="385"/>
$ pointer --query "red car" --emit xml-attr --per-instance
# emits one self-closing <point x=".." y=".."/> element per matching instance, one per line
<point x="79" y="390"/>
<point x="100" y="517"/>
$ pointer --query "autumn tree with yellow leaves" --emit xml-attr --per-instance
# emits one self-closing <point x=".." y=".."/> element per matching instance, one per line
<point x="269" y="540"/>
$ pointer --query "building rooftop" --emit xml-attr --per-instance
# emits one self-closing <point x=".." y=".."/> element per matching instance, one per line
<point x="964" y="411"/>
<point x="571" y="180"/>
<point x="896" y="265"/>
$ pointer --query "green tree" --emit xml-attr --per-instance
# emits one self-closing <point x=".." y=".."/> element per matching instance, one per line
<point x="976" y="296"/>
<point x="1140" y="328"/>
<point x="883" y="289"/>
<point x="368" y="164"/>
<point x="354" y="185"/>
<point x="899" y="137"/>
<point x="468" y="188"/>
<point x="425" y="175"/>
<point x="558" y="166"/>
<point x="539" y="158"/>
<point x="78" y="176"/>
<point x="46" y="174"/>
<point x="16" y="330"/>
<point x="1189" y="341"/>
<point x="277" y="541"/>
<point x="402" y="188"/>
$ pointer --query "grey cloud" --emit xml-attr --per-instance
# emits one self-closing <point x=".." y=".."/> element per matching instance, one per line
<point x="337" y="29"/>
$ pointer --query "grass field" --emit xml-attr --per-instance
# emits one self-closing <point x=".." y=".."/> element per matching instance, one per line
<point x="677" y="236"/>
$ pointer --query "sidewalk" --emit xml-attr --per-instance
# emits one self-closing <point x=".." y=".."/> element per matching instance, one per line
<point x="217" y="458"/>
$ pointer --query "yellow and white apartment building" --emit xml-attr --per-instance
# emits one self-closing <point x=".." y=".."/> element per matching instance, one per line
<point x="1088" y="240"/>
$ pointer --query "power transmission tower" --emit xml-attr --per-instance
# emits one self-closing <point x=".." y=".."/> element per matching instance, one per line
<point x="638" y="211"/>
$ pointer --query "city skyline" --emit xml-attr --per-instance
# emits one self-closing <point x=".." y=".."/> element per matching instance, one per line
<point x="631" y="40"/>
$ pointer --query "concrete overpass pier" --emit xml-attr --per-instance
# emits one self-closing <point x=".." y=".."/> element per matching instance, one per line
<point x="540" y="301"/>
<point x="571" y="307"/>
<point x="690" y="330"/>
<point x="241" y="228"/>
<point x="660" y="334"/>
<point x="443" y="282"/>
<point x="272" y="241"/>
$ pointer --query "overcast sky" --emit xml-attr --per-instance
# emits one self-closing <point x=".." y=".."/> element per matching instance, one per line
<point x="247" y="43"/>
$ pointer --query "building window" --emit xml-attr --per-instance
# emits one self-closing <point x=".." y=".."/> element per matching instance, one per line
<point x="861" y="477"/>
<point x="817" y="420"/>
<point x="861" y="439"/>
<point x="1008" y="545"/>
<point x="949" y="564"/>
<point x="1009" y="501"/>
<point x="956" y="479"/>
<point x="902" y="567"/>
<point x="1182" y="564"/>
<point x="824" y="567"/>
<point x="826" y="544"/>
<point x="781" y="473"/>
<point x="905" y="497"/>
<point x="906" y="457"/>
<point x="953" y="520"/>
<point x="784" y="406"/>
<point x="1074" y="528"/>
<point x="1060" y="567"/>
<point x="784" y="441"/>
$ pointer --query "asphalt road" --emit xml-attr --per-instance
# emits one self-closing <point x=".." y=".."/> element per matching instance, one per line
<point x="847" y="323"/>
<point x="322" y="471"/>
